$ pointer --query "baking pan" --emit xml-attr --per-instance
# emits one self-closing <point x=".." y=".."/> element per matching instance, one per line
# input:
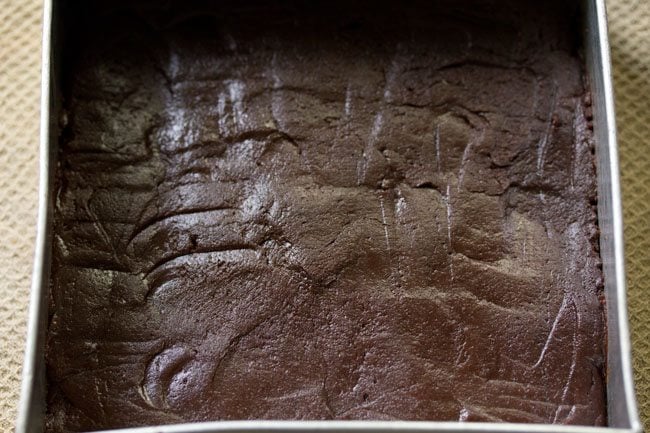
<point x="622" y="411"/>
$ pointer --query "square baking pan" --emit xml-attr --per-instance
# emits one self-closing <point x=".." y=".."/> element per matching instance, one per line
<point x="622" y="411"/>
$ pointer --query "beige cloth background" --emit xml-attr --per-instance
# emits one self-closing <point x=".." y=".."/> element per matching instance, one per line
<point x="20" y="38"/>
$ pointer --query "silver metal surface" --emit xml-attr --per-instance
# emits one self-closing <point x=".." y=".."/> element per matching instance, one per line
<point x="621" y="402"/>
<point x="622" y="411"/>
<point x="31" y="407"/>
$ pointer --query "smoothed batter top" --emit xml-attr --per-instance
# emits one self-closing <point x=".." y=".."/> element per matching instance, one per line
<point x="332" y="210"/>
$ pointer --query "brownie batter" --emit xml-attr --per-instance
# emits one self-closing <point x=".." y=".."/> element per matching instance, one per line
<point x="324" y="210"/>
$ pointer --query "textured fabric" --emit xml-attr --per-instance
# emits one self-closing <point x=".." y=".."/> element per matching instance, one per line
<point x="20" y="55"/>
<point x="629" y="22"/>
<point x="20" y="36"/>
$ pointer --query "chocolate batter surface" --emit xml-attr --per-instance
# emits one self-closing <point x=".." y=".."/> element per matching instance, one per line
<point x="333" y="210"/>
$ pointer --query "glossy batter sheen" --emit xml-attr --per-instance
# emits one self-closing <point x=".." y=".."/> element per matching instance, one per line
<point x="290" y="210"/>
